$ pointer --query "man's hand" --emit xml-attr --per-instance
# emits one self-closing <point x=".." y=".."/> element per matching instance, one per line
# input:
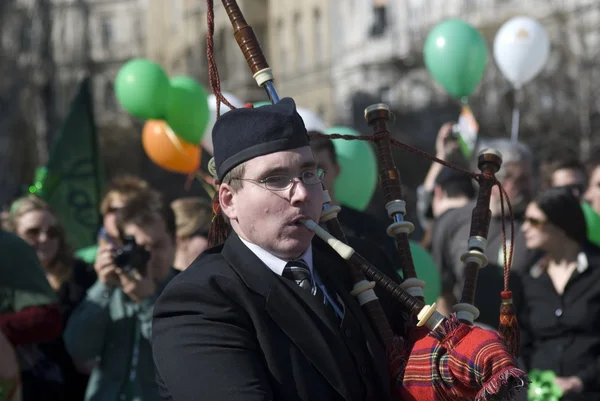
<point x="105" y="267"/>
<point x="443" y="144"/>
<point x="136" y="286"/>
<point x="571" y="384"/>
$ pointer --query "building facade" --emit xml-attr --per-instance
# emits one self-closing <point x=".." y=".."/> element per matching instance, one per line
<point x="378" y="53"/>
<point x="300" y="42"/>
<point x="176" y="38"/>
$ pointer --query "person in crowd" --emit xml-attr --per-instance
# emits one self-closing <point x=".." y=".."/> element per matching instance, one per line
<point x="268" y="314"/>
<point x="447" y="149"/>
<point x="564" y="170"/>
<point x="29" y="315"/>
<point x="355" y="223"/>
<point x="558" y="300"/>
<point x="592" y="193"/>
<point x="361" y="224"/>
<point x="452" y="190"/>
<point x="34" y="221"/>
<point x="452" y="230"/>
<point x="114" y="321"/>
<point x="193" y="217"/>
<point x="120" y="190"/>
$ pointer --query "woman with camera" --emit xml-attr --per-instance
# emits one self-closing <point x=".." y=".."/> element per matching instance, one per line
<point x="114" y="321"/>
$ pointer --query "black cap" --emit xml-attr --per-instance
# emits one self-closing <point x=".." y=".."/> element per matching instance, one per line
<point x="243" y="134"/>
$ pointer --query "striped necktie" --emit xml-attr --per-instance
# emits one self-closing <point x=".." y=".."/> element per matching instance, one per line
<point x="298" y="271"/>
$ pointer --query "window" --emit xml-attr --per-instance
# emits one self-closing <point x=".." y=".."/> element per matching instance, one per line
<point x="106" y="32"/>
<point x="281" y="39"/>
<point x="25" y="37"/>
<point x="176" y="14"/>
<point x="319" y="37"/>
<point x="299" y="42"/>
<point x="109" y="97"/>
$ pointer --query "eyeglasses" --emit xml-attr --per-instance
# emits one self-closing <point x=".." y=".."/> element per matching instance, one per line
<point x="533" y="222"/>
<point x="283" y="182"/>
<point x="51" y="232"/>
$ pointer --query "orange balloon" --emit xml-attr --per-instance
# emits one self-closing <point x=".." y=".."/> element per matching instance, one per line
<point x="167" y="150"/>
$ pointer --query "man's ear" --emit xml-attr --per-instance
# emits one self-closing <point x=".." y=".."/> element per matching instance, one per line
<point x="438" y="192"/>
<point x="336" y="171"/>
<point x="227" y="201"/>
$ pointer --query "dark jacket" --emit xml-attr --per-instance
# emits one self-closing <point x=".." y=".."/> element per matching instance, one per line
<point x="230" y="329"/>
<point x="562" y="332"/>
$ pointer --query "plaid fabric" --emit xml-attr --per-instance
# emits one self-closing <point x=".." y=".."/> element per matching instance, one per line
<point x="459" y="362"/>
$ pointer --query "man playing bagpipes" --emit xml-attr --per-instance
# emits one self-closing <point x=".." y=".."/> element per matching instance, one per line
<point x="268" y="315"/>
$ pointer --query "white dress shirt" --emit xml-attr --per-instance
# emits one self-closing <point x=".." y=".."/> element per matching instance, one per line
<point x="277" y="265"/>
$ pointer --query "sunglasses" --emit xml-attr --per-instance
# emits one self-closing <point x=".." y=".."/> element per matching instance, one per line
<point x="34" y="232"/>
<point x="533" y="222"/>
<point x="112" y="209"/>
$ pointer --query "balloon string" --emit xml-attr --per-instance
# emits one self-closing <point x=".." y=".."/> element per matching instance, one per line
<point x="173" y="138"/>
<point x="514" y="132"/>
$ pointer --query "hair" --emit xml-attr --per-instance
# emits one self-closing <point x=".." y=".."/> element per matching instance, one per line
<point x="124" y="186"/>
<point x="144" y="209"/>
<point x="31" y="203"/>
<point x="563" y="209"/>
<point x="236" y="172"/>
<point x="192" y="215"/>
<point x="548" y="168"/>
<point x="320" y="144"/>
<point x="455" y="184"/>
<point x="512" y="152"/>
<point x="592" y="162"/>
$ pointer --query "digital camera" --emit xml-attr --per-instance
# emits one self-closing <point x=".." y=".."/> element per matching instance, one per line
<point x="130" y="256"/>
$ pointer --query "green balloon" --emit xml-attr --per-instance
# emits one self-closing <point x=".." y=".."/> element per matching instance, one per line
<point x="592" y="220"/>
<point x="187" y="109"/>
<point x="456" y="55"/>
<point x="261" y="103"/>
<point x="427" y="270"/>
<point x="87" y="254"/>
<point x="142" y="87"/>
<point x="358" y="177"/>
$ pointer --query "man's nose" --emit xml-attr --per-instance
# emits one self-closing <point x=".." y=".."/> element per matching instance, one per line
<point x="299" y="191"/>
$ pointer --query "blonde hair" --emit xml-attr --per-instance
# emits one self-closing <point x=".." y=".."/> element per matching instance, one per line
<point x="126" y="187"/>
<point x="32" y="203"/>
<point x="192" y="214"/>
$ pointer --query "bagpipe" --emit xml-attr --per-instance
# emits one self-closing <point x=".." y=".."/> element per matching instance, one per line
<point x="439" y="358"/>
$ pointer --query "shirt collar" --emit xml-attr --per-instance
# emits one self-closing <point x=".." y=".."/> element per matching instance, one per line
<point x="273" y="262"/>
<point x="582" y="262"/>
<point x="582" y="265"/>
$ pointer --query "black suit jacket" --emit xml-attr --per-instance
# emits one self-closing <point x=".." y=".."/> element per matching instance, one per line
<point x="229" y="329"/>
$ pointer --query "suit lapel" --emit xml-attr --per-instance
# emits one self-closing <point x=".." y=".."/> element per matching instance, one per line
<point x="297" y="313"/>
<point x="336" y="276"/>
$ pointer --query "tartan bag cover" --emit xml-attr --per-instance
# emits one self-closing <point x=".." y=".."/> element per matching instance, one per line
<point x="459" y="362"/>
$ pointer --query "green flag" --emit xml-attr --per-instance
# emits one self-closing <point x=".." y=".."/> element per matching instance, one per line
<point x="72" y="181"/>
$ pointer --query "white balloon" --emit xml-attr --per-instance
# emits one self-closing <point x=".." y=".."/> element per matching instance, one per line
<point x="206" y="142"/>
<point x="312" y="121"/>
<point x="521" y="49"/>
